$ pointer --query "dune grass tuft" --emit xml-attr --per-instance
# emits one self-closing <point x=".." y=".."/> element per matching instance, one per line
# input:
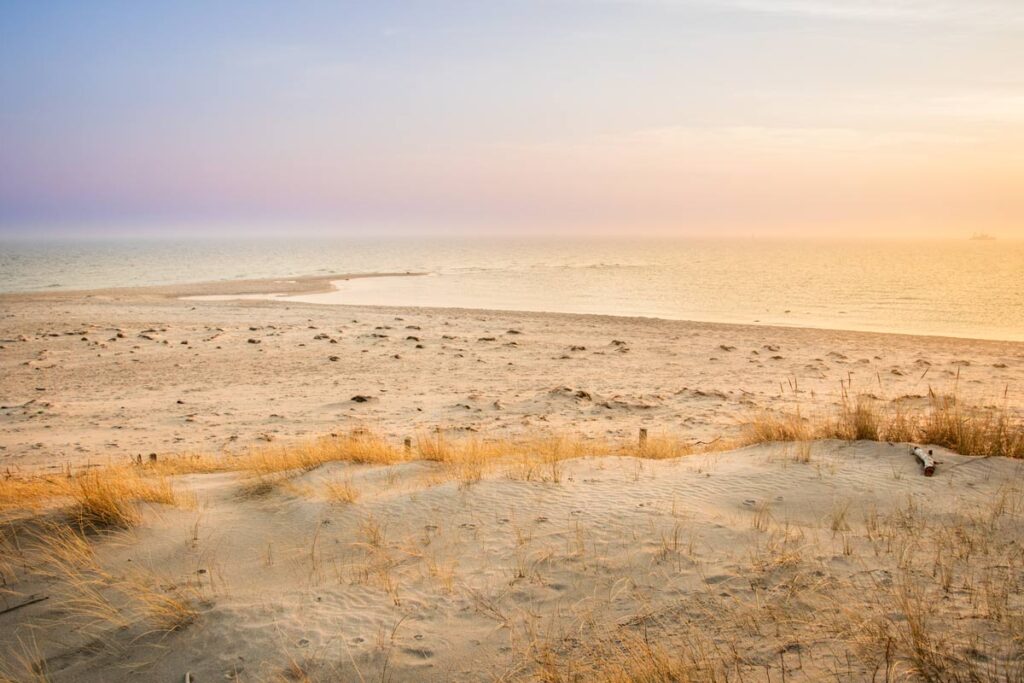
<point x="270" y="465"/>
<point x="97" y="497"/>
<point x="98" y="601"/>
<point x="972" y="430"/>
<point x="343" y="492"/>
<point x="945" y="421"/>
<point x="26" y="663"/>
<point x="29" y="493"/>
<point x="107" y="497"/>
<point x="626" y="657"/>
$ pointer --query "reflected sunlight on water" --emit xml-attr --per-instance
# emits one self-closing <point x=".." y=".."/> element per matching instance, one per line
<point x="967" y="289"/>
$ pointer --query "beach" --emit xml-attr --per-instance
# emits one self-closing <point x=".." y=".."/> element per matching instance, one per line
<point x="524" y="342"/>
<point x="106" y="375"/>
<point x="219" y="489"/>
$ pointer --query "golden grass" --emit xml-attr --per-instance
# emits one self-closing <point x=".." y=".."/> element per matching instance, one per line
<point x="539" y="458"/>
<point x="972" y="430"/>
<point x="946" y="421"/>
<point x="341" y="491"/>
<point x="627" y="657"/>
<point x="29" y="493"/>
<point x="910" y="628"/>
<point x="355" y="447"/>
<point x="765" y="427"/>
<point x="98" y="601"/>
<point x="463" y="460"/>
<point x="269" y="465"/>
<point x="662" y="447"/>
<point x="167" y="607"/>
<point x="26" y="664"/>
<point x="98" y="497"/>
<point x="107" y="497"/>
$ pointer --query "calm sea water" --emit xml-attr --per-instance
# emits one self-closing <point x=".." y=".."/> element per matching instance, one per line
<point x="963" y="288"/>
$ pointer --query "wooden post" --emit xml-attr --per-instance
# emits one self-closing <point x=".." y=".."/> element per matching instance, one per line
<point x="643" y="438"/>
<point x="408" y="446"/>
<point x="152" y="457"/>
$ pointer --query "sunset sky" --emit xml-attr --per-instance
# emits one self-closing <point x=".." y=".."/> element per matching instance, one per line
<point x="569" y="117"/>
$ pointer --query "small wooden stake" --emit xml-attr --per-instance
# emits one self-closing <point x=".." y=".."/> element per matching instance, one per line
<point x="152" y="457"/>
<point x="643" y="438"/>
<point x="408" y="446"/>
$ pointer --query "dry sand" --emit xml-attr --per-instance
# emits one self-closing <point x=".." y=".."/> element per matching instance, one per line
<point x="743" y="563"/>
<point x="107" y="375"/>
<point x="835" y="561"/>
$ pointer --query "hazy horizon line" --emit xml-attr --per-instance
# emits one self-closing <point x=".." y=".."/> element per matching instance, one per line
<point x="493" y="238"/>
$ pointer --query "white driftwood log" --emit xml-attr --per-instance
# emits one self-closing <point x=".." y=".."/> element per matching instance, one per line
<point x="926" y="460"/>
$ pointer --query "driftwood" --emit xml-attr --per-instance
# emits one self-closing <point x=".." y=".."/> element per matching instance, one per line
<point x="31" y="601"/>
<point x="926" y="459"/>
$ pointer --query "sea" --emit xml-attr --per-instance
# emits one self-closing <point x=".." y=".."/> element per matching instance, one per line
<point x="961" y="288"/>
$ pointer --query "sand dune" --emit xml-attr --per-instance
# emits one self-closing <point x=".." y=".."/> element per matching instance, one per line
<point x="731" y="564"/>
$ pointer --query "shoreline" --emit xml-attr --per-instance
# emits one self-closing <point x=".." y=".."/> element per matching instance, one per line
<point x="305" y="284"/>
<point x="278" y="291"/>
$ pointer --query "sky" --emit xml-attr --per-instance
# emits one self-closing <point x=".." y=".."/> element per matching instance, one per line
<point x="824" y="118"/>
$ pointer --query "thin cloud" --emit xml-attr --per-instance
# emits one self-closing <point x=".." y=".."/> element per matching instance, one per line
<point x="990" y="12"/>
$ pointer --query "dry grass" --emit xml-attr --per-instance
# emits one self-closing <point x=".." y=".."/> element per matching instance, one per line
<point x="531" y="459"/>
<point x="26" y="663"/>
<point x="765" y="427"/>
<point x="540" y="458"/>
<point x="946" y="421"/>
<point x="79" y="512"/>
<point x="270" y="465"/>
<point x="97" y="602"/>
<point x="939" y="601"/>
<point x="464" y="460"/>
<point x="663" y="447"/>
<point x="167" y="606"/>
<point x="343" y="492"/>
<point x="355" y="447"/>
<point x="100" y="497"/>
<point x="107" y="497"/>
<point x="972" y="430"/>
<point x="31" y="493"/>
<point x="948" y="571"/>
<point x="624" y="656"/>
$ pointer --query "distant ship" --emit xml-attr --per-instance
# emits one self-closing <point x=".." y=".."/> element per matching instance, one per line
<point x="982" y="237"/>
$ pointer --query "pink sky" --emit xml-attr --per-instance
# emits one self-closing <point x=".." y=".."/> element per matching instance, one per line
<point x="575" y="117"/>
